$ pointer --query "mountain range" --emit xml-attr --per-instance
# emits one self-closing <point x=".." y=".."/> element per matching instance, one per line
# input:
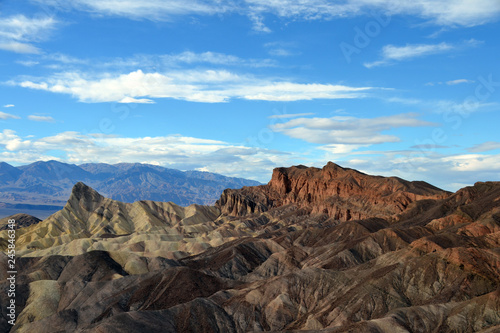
<point x="47" y="185"/>
<point x="316" y="249"/>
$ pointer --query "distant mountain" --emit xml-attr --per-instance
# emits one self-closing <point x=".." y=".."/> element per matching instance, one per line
<point x="8" y="173"/>
<point x="50" y="183"/>
<point x="314" y="250"/>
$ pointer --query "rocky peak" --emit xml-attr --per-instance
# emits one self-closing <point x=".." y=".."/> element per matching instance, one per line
<point x="341" y="193"/>
<point x="84" y="197"/>
<point x="22" y="220"/>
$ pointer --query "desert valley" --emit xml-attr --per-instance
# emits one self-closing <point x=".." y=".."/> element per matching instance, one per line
<point x="316" y="249"/>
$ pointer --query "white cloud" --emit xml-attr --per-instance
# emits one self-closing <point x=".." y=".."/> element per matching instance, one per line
<point x="17" y="33"/>
<point x="280" y="52"/>
<point x="146" y="62"/>
<point x="348" y="130"/>
<point x="27" y="63"/>
<point x="212" y="58"/>
<point x="189" y="153"/>
<point x="175" y="151"/>
<point x="407" y="101"/>
<point x="439" y="170"/>
<point x="19" y="47"/>
<point x="451" y="82"/>
<point x="66" y="59"/>
<point x="136" y="100"/>
<point x="12" y="142"/>
<point x="281" y="48"/>
<point x="8" y="105"/>
<point x="157" y="10"/>
<point x="205" y="57"/>
<point x="444" y="12"/>
<point x="209" y="86"/>
<point x="41" y="118"/>
<point x="461" y="108"/>
<point x="4" y="115"/>
<point x="258" y="23"/>
<point x="335" y="150"/>
<point x="410" y="51"/>
<point x="486" y="146"/>
<point x="429" y="147"/>
<point x="459" y="81"/>
<point x="392" y="53"/>
<point x="290" y="115"/>
<point x="289" y="91"/>
<point x="474" y="163"/>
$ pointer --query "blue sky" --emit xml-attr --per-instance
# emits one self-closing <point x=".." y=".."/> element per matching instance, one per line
<point x="410" y="89"/>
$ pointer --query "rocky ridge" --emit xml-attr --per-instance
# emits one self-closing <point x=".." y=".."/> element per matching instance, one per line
<point x="22" y="221"/>
<point x="47" y="184"/>
<point x="341" y="193"/>
<point x="427" y="263"/>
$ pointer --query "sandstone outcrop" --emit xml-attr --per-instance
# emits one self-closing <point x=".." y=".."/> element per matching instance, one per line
<point x="22" y="220"/>
<point x="344" y="194"/>
<point x="273" y="260"/>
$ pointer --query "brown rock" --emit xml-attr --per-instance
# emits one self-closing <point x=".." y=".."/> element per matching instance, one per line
<point x="341" y="193"/>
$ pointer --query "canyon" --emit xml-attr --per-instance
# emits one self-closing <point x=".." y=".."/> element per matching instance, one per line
<point x="316" y="249"/>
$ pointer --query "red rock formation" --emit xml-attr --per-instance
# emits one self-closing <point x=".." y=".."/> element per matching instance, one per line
<point x="341" y="193"/>
<point x="434" y="269"/>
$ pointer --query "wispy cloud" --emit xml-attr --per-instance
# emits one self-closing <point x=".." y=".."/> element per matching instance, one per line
<point x="484" y="147"/>
<point x="392" y="53"/>
<point x="157" y="62"/>
<point x="213" y="58"/>
<point x="348" y="130"/>
<point x="438" y="169"/>
<point x="281" y="48"/>
<point x="8" y="105"/>
<point x="462" y="108"/>
<point x="18" y="33"/>
<point x="445" y="13"/>
<point x="46" y="119"/>
<point x="451" y="82"/>
<point x="176" y="151"/>
<point x="425" y="147"/>
<point x="458" y="81"/>
<point x="290" y="115"/>
<point x="4" y="116"/>
<point x="19" y="47"/>
<point x="280" y="52"/>
<point x="28" y="63"/>
<point x="128" y="100"/>
<point x="156" y="10"/>
<point x="209" y="86"/>
<point x="258" y="23"/>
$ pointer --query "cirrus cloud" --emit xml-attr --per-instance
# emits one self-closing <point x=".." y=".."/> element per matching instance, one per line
<point x="444" y="12"/>
<point x="348" y="130"/>
<point x="485" y="146"/>
<point x="4" y="116"/>
<point x="208" y="86"/>
<point x="18" y="32"/>
<point x="393" y="53"/>
<point x="175" y="151"/>
<point x="46" y="119"/>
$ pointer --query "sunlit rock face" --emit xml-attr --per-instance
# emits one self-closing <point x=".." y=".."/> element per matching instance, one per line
<point x="322" y="250"/>
<point x="343" y="194"/>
